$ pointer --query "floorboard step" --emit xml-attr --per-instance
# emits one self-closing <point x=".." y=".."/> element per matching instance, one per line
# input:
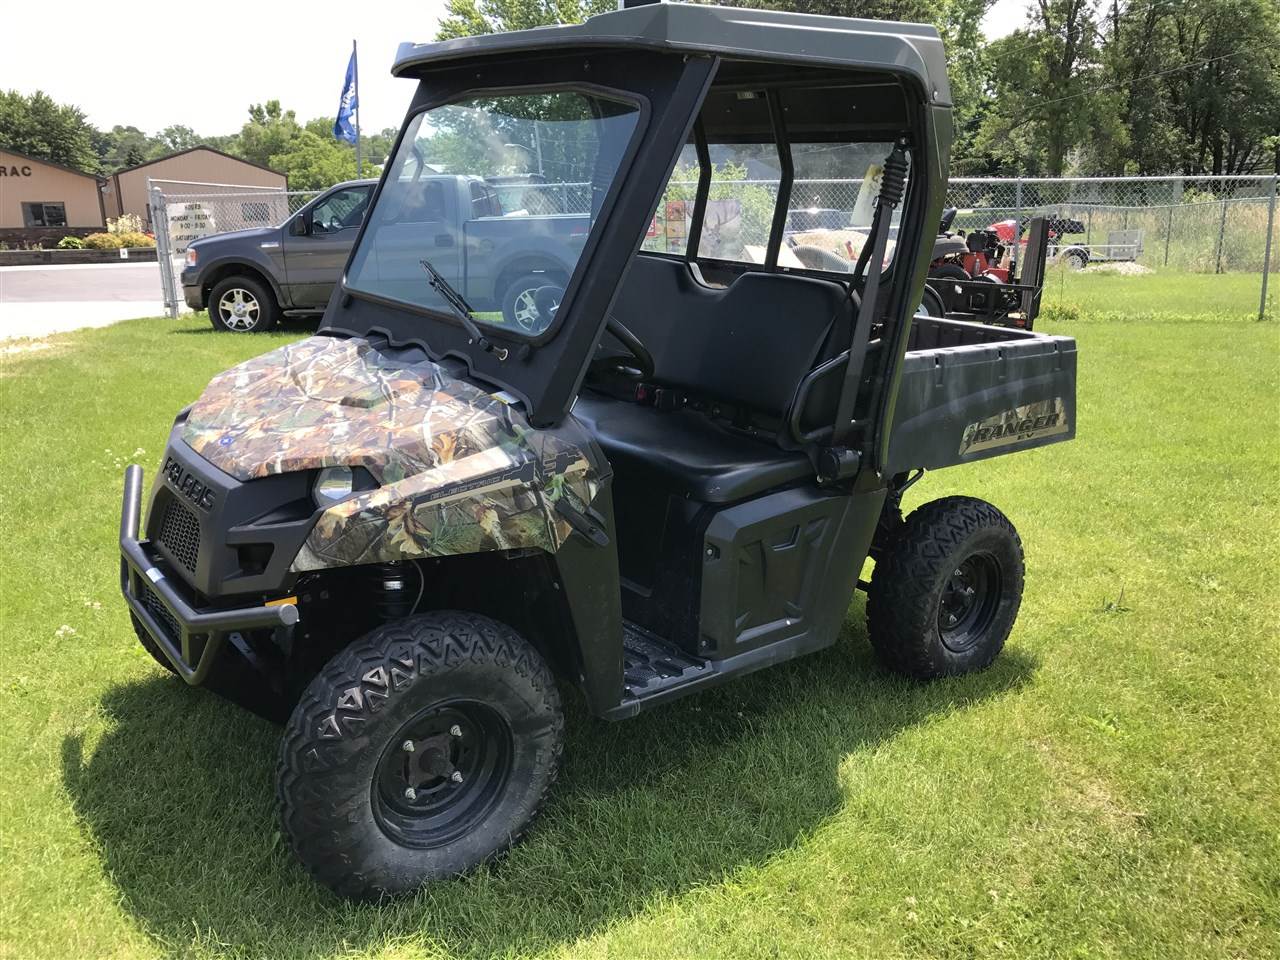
<point x="651" y="664"/>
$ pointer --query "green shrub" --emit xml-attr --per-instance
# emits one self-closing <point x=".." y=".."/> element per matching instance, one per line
<point x="135" y="239"/>
<point x="103" y="241"/>
<point x="70" y="243"/>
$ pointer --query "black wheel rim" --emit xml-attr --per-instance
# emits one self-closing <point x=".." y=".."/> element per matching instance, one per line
<point x="970" y="598"/>
<point x="442" y="773"/>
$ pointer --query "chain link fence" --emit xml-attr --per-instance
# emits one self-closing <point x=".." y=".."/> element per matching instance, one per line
<point x="1211" y="240"/>
<point x="1218" y="234"/>
<point x="182" y="212"/>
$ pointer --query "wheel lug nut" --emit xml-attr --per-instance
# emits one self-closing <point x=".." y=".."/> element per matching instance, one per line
<point x="455" y="731"/>
<point x="407" y="746"/>
<point x="410" y="793"/>
<point x="456" y="776"/>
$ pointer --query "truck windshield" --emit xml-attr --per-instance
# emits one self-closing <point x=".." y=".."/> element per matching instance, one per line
<point x="541" y="162"/>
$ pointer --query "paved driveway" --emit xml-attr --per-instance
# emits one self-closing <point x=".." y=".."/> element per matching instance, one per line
<point x="39" y="300"/>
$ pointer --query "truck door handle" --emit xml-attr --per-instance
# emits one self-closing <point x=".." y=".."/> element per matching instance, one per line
<point x="444" y="240"/>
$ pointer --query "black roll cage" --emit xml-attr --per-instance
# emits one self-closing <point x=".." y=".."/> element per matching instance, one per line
<point x="818" y="438"/>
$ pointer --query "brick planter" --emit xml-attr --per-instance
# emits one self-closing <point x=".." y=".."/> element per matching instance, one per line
<point x="15" y="258"/>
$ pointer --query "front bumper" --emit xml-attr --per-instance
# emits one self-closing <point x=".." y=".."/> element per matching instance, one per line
<point x="190" y="637"/>
<point x="192" y="289"/>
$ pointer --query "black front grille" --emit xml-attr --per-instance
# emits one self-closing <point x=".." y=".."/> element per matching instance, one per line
<point x="160" y="613"/>
<point x="180" y="534"/>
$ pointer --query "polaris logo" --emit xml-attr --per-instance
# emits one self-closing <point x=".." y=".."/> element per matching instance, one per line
<point x="186" y="483"/>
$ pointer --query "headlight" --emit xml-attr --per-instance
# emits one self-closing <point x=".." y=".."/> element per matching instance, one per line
<point x="333" y="485"/>
<point x="192" y="256"/>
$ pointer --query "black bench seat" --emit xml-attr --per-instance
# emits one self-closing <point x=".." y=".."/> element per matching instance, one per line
<point x="686" y="451"/>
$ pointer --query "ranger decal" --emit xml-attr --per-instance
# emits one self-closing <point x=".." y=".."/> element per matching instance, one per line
<point x="1031" y="421"/>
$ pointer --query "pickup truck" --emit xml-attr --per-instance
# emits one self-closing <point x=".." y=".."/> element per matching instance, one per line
<point x="498" y="258"/>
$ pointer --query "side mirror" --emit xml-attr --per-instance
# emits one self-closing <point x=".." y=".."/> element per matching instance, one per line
<point x="300" y="227"/>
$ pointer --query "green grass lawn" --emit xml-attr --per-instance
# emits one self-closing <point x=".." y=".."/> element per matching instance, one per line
<point x="1227" y="296"/>
<point x="1109" y="789"/>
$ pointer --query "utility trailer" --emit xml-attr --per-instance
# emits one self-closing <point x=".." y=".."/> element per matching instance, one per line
<point x="404" y="536"/>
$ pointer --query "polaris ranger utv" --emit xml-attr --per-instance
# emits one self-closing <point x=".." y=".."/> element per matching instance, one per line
<point x="412" y="530"/>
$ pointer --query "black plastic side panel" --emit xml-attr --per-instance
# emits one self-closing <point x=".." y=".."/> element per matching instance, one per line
<point x="781" y="569"/>
<point x="964" y="403"/>
<point x="589" y="580"/>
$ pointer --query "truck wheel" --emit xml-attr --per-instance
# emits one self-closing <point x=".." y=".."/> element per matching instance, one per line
<point x="149" y="645"/>
<point x="520" y="303"/>
<point x="420" y="751"/>
<point x="242" y="305"/>
<point x="946" y="591"/>
<point x="1075" y="259"/>
<point x="949" y="271"/>
<point x="931" y="304"/>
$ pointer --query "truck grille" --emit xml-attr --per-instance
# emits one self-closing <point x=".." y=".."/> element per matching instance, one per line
<point x="180" y="535"/>
<point x="160" y="613"/>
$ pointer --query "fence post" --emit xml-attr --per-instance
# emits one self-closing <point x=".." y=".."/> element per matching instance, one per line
<point x="1222" y="230"/>
<point x="1017" y="217"/>
<point x="1168" y="233"/>
<point x="1266" y="256"/>
<point x="164" y="250"/>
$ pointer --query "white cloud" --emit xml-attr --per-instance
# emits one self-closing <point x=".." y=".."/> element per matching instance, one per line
<point x="152" y="64"/>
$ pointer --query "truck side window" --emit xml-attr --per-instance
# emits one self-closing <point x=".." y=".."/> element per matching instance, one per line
<point x="484" y="202"/>
<point x="425" y="203"/>
<point x="340" y="210"/>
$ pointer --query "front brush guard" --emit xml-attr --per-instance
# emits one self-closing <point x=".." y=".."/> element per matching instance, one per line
<point x="189" y="637"/>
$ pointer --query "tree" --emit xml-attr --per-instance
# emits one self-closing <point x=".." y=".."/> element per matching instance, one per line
<point x="38" y="126"/>
<point x="122" y="147"/>
<point x="1043" y="84"/>
<point x="465" y="18"/>
<point x="178" y="137"/>
<point x="270" y="132"/>
<point x="314" y="162"/>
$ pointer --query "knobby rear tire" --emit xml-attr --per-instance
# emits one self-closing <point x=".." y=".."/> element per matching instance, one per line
<point x="905" y="609"/>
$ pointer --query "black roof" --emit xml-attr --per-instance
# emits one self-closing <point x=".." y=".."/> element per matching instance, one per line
<point x="914" y="50"/>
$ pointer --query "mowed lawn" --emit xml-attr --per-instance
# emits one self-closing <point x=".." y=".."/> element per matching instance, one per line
<point x="1110" y="788"/>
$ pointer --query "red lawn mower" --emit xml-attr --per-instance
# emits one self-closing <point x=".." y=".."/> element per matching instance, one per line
<point x="972" y="276"/>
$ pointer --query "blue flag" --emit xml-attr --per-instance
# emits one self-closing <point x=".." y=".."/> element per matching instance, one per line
<point x="344" y="126"/>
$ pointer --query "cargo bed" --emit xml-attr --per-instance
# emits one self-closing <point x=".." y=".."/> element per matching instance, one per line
<point x="971" y="391"/>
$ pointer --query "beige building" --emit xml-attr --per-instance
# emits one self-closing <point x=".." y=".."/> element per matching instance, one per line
<point x="39" y="198"/>
<point x="127" y="190"/>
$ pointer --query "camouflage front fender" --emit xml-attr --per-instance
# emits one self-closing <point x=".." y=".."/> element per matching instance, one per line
<point x="460" y="470"/>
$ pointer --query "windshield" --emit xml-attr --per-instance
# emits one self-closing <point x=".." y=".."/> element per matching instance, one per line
<point x="499" y="195"/>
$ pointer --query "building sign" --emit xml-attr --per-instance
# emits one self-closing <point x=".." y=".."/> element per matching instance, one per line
<point x="14" y="171"/>
<point x="189" y="222"/>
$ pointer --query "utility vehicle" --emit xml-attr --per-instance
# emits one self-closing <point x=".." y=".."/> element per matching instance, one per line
<point x="411" y="532"/>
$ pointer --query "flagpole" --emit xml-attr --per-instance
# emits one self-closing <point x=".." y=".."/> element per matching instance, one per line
<point x="354" y="60"/>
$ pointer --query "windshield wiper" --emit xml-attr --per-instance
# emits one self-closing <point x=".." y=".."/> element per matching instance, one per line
<point x="450" y="295"/>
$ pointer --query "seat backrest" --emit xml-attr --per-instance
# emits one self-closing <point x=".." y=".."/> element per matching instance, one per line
<point x="748" y="344"/>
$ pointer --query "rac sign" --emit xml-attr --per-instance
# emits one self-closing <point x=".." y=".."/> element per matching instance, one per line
<point x="22" y="171"/>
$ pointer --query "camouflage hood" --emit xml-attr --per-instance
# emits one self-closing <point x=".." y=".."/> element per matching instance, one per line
<point x="327" y="402"/>
<point x="460" y="471"/>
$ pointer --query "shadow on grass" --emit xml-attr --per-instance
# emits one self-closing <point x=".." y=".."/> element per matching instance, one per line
<point x="178" y="796"/>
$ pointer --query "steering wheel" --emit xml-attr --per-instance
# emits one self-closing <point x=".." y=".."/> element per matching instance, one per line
<point x="638" y="366"/>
